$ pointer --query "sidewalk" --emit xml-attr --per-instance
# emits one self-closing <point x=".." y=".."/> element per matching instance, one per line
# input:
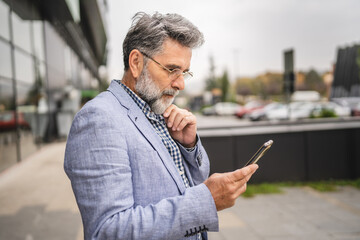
<point x="300" y="213"/>
<point x="36" y="202"/>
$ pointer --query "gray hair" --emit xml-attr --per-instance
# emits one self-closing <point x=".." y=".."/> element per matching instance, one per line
<point x="148" y="33"/>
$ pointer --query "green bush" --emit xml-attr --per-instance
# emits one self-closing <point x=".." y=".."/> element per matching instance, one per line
<point x="324" y="113"/>
<point x="276" y="188"/>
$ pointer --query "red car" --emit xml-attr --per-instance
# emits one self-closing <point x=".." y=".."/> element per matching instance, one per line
<point x="356" y="110"/>
<point x="7" y="121"/>
<point x="249" y="107"/>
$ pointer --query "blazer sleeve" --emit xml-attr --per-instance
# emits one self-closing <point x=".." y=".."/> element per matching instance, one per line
<point x="198" y="162"/>
<point x="98" y="165"/>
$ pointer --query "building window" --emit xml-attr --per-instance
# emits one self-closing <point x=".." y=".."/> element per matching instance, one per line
<point x="8" y="138"/>
<point x="55" y="56"/>
<point x="21" y="30"/>
<point x="40" y="73"/>
<point x="68" y="64"/>
<point x="4" y="20"/>
<point x="28" y="119"/>
<point x="38" y="32"/>
<point x="5" y="60"/>
<point x="24" y="67"/>
<point x="85" y="78"/>
<point x="6" y="95"/>
<point x="75" y="73"/>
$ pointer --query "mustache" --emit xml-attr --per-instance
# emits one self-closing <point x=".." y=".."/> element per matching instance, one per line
<point x="171" y="92"/>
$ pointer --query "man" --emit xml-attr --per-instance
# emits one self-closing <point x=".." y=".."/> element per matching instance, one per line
<point x="135" y="161"/>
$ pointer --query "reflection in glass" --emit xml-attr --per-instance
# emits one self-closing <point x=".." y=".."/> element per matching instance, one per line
<point x="4" y="20"/>
<point x="5" y="60"/>
<point x="55" y="58"/>
<point x="8" y="155"/>
<point x="38" y="40"/>
<point x="75" y="73"/>
<point x="85" y="78"/>
<point x="22" y="94"/>
<point x="24" y="67"/>
<point x="40" y="72"/>
<point x="68" y="64"/>
<point x="56" y="79"/>
<point x="28" y="98"/>
<point x="21" y="30"/>
<point x="6" y="95"/>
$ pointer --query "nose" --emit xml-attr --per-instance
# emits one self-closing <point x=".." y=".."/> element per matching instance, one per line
<point x="178" y="83"/>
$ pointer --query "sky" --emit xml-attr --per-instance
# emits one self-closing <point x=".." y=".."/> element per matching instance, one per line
<point x="248" y="37"/>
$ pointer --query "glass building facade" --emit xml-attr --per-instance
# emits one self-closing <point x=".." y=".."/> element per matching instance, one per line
<point x="50" y="53"/>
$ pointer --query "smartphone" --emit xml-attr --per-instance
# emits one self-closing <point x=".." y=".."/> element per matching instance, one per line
<point x="260" y="152"/>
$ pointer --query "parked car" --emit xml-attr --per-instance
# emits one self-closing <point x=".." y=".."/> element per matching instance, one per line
<point x="295" y="110"/>
<point x="351" y="102"/>
<point x="305" y="96"/>
<point x="208" y="111"/>
<point x="337" y="109"/>
<point x="356" y="110"/>
<point x="261" y="114"/>
<point x="222" y="109"/>
<point x="7" y="121"/>
<point x="248" y="108"/>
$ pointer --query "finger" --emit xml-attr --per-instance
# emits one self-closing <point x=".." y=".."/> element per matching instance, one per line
<point x="168" y="110"/>
<point x="243" y="181"/>
<point x="184" y="122"/>
<point x="171" y="118"/>
<point x="241" y="190"/>
<point x="241" y="173"/>
<point x="180" y="116"/>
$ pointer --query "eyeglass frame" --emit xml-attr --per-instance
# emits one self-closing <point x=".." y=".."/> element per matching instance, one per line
<point x="185" y="74"/>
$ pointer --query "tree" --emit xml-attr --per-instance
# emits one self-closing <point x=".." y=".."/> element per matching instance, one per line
<point x="313" y="81"/>
<point x="266" y="85"/>
<point x="224" y="85"/>
<point x="272" y="84"/>
<point x="211" y="82"/>
<point x="243" y="86"/>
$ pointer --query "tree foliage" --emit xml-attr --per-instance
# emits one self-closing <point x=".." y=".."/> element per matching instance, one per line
<point x="211" y="82"/>
<point x="224" y="86"/>
<point x="264" y="85"/>
<point x="215" y="82"/>
<point x="313" y="81"/>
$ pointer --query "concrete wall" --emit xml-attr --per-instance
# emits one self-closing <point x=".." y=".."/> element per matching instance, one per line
<point x="301" y="152"/>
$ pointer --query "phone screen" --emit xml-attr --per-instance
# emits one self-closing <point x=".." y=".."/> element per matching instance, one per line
<point x="260" y="153"/>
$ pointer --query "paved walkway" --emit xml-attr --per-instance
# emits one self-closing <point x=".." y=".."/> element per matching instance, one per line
<point x="36" y="202"/>
<point x="298" y="213"/>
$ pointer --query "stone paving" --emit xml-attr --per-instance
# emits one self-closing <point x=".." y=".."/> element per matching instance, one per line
<point x="36" y="202"/>
<point x="298" y="213"/>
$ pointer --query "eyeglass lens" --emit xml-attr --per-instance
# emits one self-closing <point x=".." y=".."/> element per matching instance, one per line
<point x="177" y="73"/>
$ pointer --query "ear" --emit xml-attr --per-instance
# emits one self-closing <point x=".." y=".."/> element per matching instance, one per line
<point x="136" y="60"/>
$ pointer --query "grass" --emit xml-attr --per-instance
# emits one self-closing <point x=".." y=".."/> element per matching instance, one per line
<point x="321" y="186"/>
<point x="263" y="188"/>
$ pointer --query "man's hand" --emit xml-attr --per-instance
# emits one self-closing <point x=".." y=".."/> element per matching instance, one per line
<point x="225" y="188"/>
<point x="182" y="125"/>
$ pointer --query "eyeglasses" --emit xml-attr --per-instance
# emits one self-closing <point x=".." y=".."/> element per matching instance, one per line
<point x="173" y="73"/>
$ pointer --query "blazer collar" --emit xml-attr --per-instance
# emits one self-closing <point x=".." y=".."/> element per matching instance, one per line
<point x="144" y="126"/>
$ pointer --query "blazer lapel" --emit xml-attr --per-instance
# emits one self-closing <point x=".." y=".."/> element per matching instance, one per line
<point x="147" y="130"/>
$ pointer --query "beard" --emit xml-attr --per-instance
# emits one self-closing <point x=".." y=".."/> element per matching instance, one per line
<point x="152" y="94"/>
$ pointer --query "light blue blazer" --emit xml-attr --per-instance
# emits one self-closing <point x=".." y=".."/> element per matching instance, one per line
<point x="125" y="182"/>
